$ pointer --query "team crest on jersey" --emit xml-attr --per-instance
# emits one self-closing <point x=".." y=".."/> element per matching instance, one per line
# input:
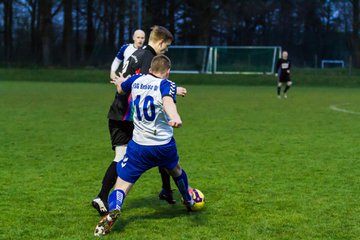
<point x="284" y="65"/>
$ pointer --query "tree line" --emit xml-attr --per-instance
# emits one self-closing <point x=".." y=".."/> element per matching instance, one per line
<point x="74" y="33"/>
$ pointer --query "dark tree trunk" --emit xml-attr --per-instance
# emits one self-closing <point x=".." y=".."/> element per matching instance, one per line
<point x="8" y="29"/>
<point x="131" y="21"/>
<point x="46" y="30"/>
<point x="111" y="24"/>
<point x="68" y="32"/>
<point x="105" y="21"/>
<point x="77" y="31"/>
<point x="171" y="17"/>
<point x="34" y="34"/>
<point x="121" y="23"/>
<point x="90" y="33"/>
<point x="355" y="33"/>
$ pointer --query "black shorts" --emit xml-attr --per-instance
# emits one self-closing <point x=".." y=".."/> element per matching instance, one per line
<point x="120" y="132"/>
<point x="284" y="79"/>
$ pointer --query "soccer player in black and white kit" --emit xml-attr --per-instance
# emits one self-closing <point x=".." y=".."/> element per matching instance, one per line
<point x="282" y="71"/>
<point x="120" y="131"/>
<point x="120" y="115"/>
<point x="127" y="50"/>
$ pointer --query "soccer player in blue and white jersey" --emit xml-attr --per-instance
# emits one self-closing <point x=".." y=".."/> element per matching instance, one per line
<point x="126" y="51"/>
<point x="152" y="145"/>
<point x="120" y="117"/>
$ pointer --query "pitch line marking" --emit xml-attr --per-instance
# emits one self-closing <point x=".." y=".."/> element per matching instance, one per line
<point x="338" y="109"/>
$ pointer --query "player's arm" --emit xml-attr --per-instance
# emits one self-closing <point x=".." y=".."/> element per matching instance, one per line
<point x="114" y="66"/>
<point x="168" y="93"/>
<point x="277" y="66"/>
<point x="288" y="71"/>
<point x="117" y="61"/>
<point x="171" y="111"/>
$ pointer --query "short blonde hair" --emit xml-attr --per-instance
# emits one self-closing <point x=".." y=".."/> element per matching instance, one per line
<point x="160" y="33"/>
<point x="160" y="63"/>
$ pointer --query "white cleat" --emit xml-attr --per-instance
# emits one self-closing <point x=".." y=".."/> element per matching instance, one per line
<point x="100" y="206"/>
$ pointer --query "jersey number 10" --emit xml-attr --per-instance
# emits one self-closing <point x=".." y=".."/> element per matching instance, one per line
<point x="148" y="104"/>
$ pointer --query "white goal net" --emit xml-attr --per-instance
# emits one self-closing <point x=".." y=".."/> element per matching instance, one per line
<point x="224" y="60"/>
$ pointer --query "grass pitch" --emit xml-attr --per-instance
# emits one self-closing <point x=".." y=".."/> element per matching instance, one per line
<point x="269" y="168"/>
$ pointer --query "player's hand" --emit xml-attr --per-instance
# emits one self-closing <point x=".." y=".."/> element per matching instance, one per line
<point x="117" y="80"/>
<point x="181" y="91"/>
<point x="175" y="123"/>
<point x="288" y="71"/>
<point x="276" y="75"/>
<point x="113" y="75"/>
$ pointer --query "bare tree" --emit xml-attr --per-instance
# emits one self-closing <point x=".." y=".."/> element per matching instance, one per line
<point x="8" y="29"/>
<point x="112" y="24"/>
<point x="90" y="32"/>
<point x="68" y="32"/>
<point x="77" y="30"/>
<point x="355" y="33"/>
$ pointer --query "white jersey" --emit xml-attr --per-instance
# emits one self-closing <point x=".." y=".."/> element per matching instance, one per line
<point x="122" y="56"/>
<point x="150" y="120"/>
<point x="125" y="52"/>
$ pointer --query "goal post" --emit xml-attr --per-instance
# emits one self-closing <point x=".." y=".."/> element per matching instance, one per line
<point x="333" y="63"/>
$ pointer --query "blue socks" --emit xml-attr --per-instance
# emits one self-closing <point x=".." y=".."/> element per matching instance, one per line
<point x="183" y="185"/>
<point x="116" y="200"/>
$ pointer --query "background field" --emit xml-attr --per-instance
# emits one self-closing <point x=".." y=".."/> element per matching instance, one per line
<point x="270" y="168"/>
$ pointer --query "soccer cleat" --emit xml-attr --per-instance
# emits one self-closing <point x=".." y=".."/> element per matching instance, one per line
<point x="285" y="96"/>
<point x="100" y="206"/>
<point x="167" y="196"/>
<point x="105" y="225"/>
<point x="278" y="96"/>
<point x="189" y="204"/>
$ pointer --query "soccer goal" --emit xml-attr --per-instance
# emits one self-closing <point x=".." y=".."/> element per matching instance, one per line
<point x="224" y="60"/>
<point x="188" y="59"/>
<point x="332" y="63"/>
<point x="245" y="60"/>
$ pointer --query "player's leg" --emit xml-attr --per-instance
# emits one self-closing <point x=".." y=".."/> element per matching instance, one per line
<point x="129" y="169"/>
<point x="288" y="85"/>
<point x="279" y="84"/>
<point x="166" y="192"/>
<point x="170" y="159"/>
<point x="181" y="180"/>
<point x="120" y="133"/>
<point x="109" y="179"/>
<point x="116" y="200"/>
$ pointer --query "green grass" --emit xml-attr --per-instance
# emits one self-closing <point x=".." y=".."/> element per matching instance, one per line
<point x="270" y="168"/>
<point x="301" y="77"/>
